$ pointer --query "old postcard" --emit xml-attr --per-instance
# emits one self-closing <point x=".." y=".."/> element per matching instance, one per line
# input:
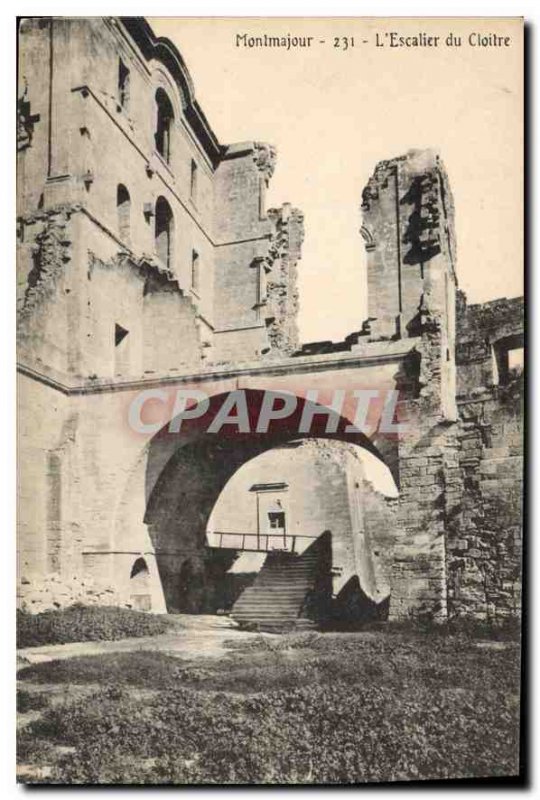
<point x="270" y="359"/>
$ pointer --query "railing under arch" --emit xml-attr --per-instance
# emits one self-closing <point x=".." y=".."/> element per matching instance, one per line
<point x="259" y="542"/>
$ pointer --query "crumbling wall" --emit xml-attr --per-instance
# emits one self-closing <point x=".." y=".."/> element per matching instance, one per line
<point x="408" y="231"/>
<point x="159" y="321"/>
<point x="256" y="294"/>
<point x="43" y="288"/>
<point x="243" y="231"/>
<point x="484" y="534"/>
<point x="407" y="226"/>
<point x="461" y="482"/>
<point x="281" y="313"/>
<point x="70" y="300"/>
<point x="59" y="592"/>
<point x="484" y="537"/>
<point x="485" y="332"/>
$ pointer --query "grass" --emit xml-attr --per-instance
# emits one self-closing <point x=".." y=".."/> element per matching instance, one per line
<point x="30" y="701"/>
<point x="80" y="623"/>
<point x="307" y="709"/>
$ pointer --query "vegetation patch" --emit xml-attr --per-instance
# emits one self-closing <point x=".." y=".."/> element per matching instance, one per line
<point x="143" y="668"/>
<point x="30" y="701"/>
<point x="80" y="623"/>
<point x="311" y="709"/>
<point x="506" y="629"/>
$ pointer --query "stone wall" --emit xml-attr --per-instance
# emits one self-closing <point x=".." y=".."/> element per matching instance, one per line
<point x="59" y="592"/>
<point x="79" y="141"/>
<point x="99" y="316"/>
<point x="104" y="314"/>
<point x="407" y="226"/>
<point x="484" y="535"/>
<point x="281" y="296"/>
<point x="256" y="293"/>
<point x="44" y="284"/>
<point x="486" y="333"/>
<point x="484" y="538"/>
<point x="97" y="305"/>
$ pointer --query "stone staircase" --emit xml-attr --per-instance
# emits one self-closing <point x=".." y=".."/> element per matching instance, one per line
<point x="290" y="592"/>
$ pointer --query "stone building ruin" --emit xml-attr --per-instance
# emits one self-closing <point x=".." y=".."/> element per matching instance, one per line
<point x="147" y="260"/>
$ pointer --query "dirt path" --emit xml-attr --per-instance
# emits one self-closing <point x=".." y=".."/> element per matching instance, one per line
<point x="191" y="637"/>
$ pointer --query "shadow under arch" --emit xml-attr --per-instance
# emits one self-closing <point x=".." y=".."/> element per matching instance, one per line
<point x="164" y="445"/>
<point x="353" y="608"/>
<point x="187" y="471"/>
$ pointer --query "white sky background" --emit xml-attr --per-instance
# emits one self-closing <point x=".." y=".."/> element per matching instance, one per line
<point x="333" y="115"/>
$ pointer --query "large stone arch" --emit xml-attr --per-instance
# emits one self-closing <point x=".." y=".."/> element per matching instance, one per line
<point x="179" y="476"/>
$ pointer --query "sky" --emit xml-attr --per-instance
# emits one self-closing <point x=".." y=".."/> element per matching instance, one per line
<point x="333" y="114"/>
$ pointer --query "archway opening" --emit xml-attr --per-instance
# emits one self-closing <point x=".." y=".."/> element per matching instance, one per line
<point x="275" y="512"/>
<point x="186" y="474"/>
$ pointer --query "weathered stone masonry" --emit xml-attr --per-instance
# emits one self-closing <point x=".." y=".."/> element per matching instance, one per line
<point x="147" y="258"/>
<point x="484" y="535"/>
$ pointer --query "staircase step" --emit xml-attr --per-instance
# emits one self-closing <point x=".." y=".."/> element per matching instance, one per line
<point x="269" y="603"/>
<point x="275" y="600"/>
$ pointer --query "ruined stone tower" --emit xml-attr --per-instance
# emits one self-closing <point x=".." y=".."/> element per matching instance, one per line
<point x="408" y="231"/>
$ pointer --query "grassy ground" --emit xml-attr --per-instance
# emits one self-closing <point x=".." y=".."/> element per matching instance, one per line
<point x="79" y="623"/>
<point x="309" y="709"/>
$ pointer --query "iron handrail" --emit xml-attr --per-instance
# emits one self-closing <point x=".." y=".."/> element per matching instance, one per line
<point x="259" y="536"/>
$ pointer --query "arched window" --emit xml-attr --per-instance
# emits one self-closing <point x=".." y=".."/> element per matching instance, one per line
<point x="164" y="232"/>
<point x="165" y="119"/>
<point x="140" y="568"/>
<point x="140" y="594"/>
<point x="123" y="209"/>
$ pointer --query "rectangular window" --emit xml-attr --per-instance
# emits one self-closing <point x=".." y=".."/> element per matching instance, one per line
<point x="195" y="271"/>
<point x="276" y="520"/>
<point x="515" y="362"/>
<point x="259" y="284"/>
<point x="193" y="181"/>
<point x="123" y="85"/>
<point x="508" y="362"/>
